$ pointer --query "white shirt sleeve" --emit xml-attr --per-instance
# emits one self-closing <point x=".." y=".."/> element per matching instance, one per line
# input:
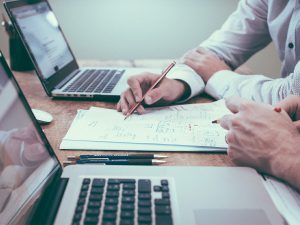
<point x="244" y="33"/>
<point x="256" y="87"/>
<point x="186" y="74"/>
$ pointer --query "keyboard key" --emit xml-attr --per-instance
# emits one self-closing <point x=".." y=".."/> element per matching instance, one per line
<point x="127" y="214"/>
<point x="84" y="187"/>
<point x="127" y="222"/>
<point x="165" y="188"/>
<point x="110" y="208"/>
<point x="108" y="222"/>
<point x="144" y="203"/>
<point x="144" y="186"/>
<point x="127" y="207"/>
<point x="128" y="181"/>
<point x="113" y="187"/>
<point x="111" y="201"/>
<point x="164" y="182"/>
<point x="113" y="181"/>
<point x="128" y="193"/>
<point x="92" y="212"/>
<point x="97" y="190"/>
<point x="98" y="183"/>
<point x="144" y="211"/>
<point x="127" y="199"/>
<point x="94" y="204"/>
<point x="79" y="209"/>
<point x="90" y="220"/>
<point x="81" y="201"/>
<point x="128" y="186"/>
<point x="144" y="219"/>
<point x="162" y="201"/>
<point x="165" y="195"/>
<point x="163" y="220"/>
<point x="83" y="194"/>
<point x="144" y="196"/>
<point x="157" y="188"/>
<point x="109" y="216"/>
<point x="112" y="194"/>
<point x="77" y="217"/>
<point x="165" y="210"/>
<point x="95" y="197"/>
<point x="86" y="181"/>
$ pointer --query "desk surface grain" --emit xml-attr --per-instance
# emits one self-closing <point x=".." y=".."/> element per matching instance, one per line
<point x="64" y="112"/>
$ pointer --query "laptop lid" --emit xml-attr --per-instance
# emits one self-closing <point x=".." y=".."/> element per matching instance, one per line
<point x="27" y="161"/>
<point x="44" y="40"/>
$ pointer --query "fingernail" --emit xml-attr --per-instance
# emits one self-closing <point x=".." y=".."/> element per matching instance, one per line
<point x="137" y="99"/>
<point x="148" y="99"/>
<point x="124" y="111"/>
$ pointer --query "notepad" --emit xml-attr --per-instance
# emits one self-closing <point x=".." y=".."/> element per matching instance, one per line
<point x="173" y="128"/>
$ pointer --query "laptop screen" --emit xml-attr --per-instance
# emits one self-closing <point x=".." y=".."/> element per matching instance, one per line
<point x="25" y="162"/>
<point x="44" y="38"/>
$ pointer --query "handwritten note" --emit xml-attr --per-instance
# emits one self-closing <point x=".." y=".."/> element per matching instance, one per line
<point x="185" y="125"/>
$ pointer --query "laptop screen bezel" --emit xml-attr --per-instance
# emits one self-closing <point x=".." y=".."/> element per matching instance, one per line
<point x="57" y="170"/>
<point x="50" y="83"/>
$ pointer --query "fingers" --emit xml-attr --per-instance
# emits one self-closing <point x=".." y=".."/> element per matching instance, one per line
<point x="127" y="101"/>
<point x="225" y="121"/>
<point x="297" y="124"/>
<point x="292" y="106"/>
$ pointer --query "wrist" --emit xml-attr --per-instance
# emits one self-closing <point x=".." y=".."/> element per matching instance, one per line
<point x="286" y="165"/>
<point x="184" y="90"/>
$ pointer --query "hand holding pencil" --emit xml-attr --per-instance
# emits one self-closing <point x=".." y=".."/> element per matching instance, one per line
<point x="140" y="88"/>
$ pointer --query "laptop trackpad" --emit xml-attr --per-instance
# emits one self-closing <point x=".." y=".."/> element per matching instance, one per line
<point x="231" y="217"/>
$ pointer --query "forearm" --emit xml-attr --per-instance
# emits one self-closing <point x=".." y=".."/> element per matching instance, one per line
<point x="287" y="167"/>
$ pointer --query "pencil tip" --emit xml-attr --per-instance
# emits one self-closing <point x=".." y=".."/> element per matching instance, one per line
<point x="160" y="156"/>
<point x="215" y="121"/>
<point x="157" y="162"/>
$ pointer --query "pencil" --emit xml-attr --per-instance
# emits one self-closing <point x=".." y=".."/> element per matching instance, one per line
<point x="163" y="75"/>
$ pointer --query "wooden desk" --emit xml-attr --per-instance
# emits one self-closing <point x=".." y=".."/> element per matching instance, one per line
<point x="64" y="112"/>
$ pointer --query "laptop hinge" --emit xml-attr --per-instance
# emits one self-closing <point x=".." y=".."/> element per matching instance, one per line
<point x="48" y="205"/>
<point x="67" y="79"/>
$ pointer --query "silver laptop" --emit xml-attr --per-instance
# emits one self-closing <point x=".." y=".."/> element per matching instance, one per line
<point x="54" y="61"/>
<point x="35" y="189"/>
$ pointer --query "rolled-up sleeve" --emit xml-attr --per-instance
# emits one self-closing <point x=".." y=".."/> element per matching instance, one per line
<point x="186" y="74"/>
<point x="256" y="87"/>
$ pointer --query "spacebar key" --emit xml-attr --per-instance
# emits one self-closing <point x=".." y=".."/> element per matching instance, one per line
<point x="163" y="220"/>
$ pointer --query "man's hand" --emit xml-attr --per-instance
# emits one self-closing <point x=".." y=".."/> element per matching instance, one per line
<point x="263" y="139"/>
<point x="204" y="62"/>
<point x="166" y="92"/>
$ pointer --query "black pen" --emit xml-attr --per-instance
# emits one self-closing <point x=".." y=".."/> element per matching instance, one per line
<point x="128" y="156"/>
<point x="116" y="162"/>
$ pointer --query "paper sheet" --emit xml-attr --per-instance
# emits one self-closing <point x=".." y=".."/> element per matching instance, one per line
<point x="174" y="128"/>
<point x="285" y="199"/>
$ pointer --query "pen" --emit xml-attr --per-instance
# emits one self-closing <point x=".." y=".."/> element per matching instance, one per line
<point x="117" y="162"/>
<point x="128" y="156"/>
<point x="276" y="109"/>
<point x="164" y="73"/>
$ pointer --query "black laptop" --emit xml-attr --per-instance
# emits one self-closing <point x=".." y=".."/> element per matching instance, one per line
<point x="54" y="61"/>
<point x="35" y="189"/>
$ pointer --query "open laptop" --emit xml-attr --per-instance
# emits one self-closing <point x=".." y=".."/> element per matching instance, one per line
<point x="35" y="189"/>
<point x="54" y="61"/>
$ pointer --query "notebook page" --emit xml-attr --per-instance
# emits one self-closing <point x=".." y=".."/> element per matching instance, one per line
<point x="188" y="125"/>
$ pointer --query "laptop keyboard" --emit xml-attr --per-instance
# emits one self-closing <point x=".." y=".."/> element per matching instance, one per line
<point x="124" y="202"/>
<point x="95" y="81"/>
